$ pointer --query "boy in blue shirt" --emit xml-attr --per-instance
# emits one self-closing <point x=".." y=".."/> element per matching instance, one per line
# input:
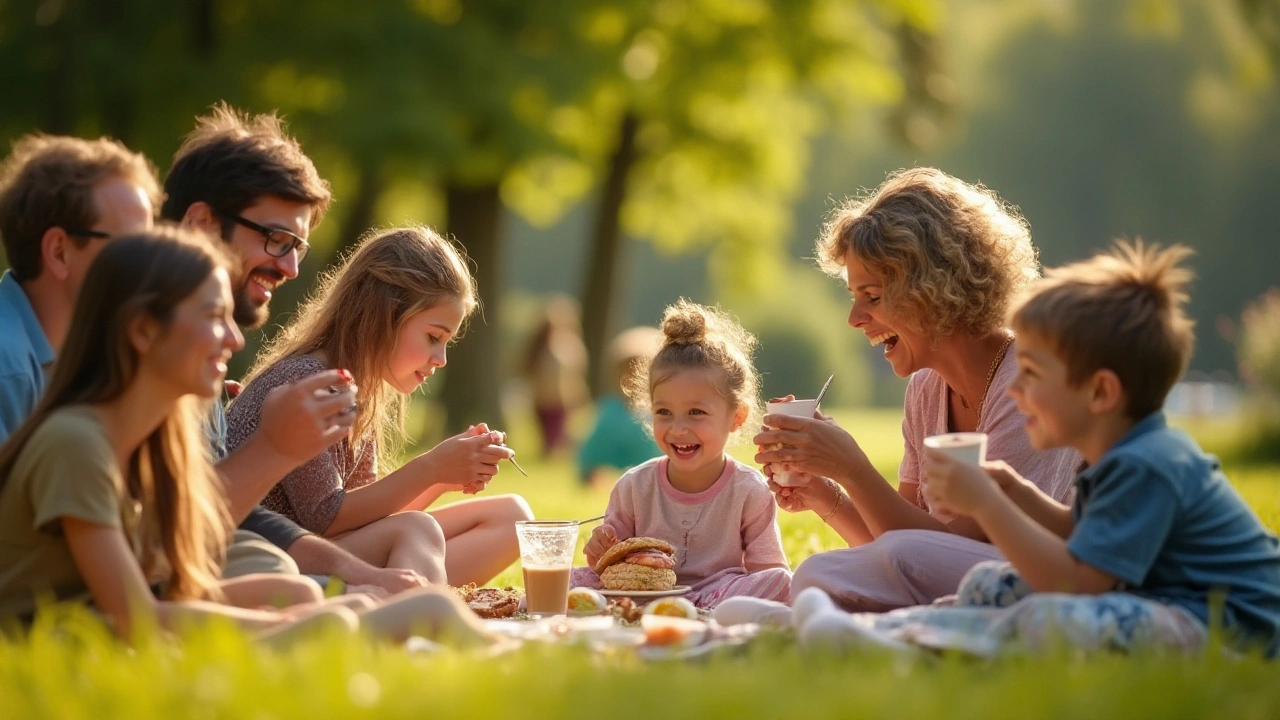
<point x="1157" y="545"/>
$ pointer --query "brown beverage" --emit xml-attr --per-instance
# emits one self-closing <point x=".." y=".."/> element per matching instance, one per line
<point x="546" y="590"/>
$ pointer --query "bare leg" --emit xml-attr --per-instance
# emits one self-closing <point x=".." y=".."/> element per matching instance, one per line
<point x="262" y="590"/>
<point x="481" y="536"/>
<point x="322" y="619"/>
<point x="434" y="613"/>
<point x="411" y="540"/>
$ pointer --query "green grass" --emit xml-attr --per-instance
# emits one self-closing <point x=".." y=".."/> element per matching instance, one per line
<point x="218" y="673"/>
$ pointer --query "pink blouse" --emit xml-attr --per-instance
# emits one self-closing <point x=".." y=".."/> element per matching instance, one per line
<point x="1053" y="471"/>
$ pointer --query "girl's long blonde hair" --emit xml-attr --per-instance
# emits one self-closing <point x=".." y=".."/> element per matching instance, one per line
<point x="355" y="315"/>
<point x="184" y="509"/>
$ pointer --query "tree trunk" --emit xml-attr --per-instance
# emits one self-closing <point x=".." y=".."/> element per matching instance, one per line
<point x="471" y="392"/>
<point x="359" y="217"/>
<point x="600" y="288"/>
<point x="203" y="28"/>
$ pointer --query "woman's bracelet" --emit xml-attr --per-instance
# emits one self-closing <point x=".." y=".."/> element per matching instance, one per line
<point x="839" y="500"/>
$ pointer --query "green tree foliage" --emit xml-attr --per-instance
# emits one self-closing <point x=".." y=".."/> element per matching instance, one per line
<point x="711" y="108"/>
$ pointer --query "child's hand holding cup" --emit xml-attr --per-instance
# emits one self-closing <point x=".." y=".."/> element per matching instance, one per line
<point x="794" y="408"/>
<point x="957" y="482"/>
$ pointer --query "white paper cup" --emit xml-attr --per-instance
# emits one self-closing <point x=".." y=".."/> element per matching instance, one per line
<point x="968" y="448"/>
<point x="795" y="408"/>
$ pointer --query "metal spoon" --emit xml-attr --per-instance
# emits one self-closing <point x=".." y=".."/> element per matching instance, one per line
<point x="823" y="391"/>
<point x="513" y="462"/>
<point x="560" y="522"/>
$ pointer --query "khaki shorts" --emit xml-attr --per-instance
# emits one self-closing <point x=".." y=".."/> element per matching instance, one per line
<point x="250" y="553"/>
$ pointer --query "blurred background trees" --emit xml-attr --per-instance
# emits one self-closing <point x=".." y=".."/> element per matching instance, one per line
<point x="629" y="152"/>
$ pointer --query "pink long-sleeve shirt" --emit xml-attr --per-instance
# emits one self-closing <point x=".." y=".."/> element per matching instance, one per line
<point x="1053" y="471"/>
<point x="729" y="528"/>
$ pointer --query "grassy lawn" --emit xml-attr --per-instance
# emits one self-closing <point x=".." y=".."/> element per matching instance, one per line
<point x="218" y="673"/>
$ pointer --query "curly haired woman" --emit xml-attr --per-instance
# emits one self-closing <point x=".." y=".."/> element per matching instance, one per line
<point x="932" y="264"/>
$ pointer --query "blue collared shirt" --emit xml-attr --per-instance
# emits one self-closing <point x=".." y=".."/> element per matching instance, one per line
<point x="1157" y="513"/>
<point x="25" y="356"/>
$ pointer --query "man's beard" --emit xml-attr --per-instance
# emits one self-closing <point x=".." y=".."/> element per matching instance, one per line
<point x="245" y="312"/>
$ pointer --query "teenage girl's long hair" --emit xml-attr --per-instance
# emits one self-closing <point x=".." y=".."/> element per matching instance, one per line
<point x="355" y="314"/>
<point x="185" y="521"/>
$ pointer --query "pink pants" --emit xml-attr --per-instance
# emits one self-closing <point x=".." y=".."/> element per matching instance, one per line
<point x="770" y="584"/>
<point x="899" y="569"/>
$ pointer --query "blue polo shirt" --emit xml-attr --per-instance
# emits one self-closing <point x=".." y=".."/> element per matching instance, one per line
<point x="1157" y="513"/>
<point x="25" y="356"/>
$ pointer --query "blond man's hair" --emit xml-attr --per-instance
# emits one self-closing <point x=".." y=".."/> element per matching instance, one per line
<point x="1123" y="311"/>
<point x="48" y="181"/>
<point x="697" y="337"/>
<point x="357" y="309"/>
<point x="951" y="255"/>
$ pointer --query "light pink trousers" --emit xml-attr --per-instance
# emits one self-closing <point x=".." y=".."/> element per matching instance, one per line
<point x="899" y="569"/>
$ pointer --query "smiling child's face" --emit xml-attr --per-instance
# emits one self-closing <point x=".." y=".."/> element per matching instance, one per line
<point x="421" y="345"/>
<point x="692" y="423"/>
<point x="1057" y="412"/>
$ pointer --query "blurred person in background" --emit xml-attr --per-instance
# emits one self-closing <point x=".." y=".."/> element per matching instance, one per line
<point x="555" y="364"/>
<point x="619" y="438"/>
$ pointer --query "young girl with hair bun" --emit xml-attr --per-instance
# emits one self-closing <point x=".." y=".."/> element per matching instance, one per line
<point x="700" y="389"/>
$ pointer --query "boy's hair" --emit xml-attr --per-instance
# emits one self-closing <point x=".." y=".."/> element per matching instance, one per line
<point x="357" y="309"/>
<point x="1122" y="311"/>
<point x="48" y="181"/>
<point x="952" y="255"/>
<point x="232" y="159"/>
<point x="700" y="337"/>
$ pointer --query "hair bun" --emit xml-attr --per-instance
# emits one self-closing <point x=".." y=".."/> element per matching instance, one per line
<point x="684" y="324"/>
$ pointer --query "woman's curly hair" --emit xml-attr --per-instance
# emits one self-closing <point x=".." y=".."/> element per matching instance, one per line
<point x="951" y="255"/>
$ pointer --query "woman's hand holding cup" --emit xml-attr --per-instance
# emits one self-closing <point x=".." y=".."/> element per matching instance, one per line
<point x="811" y="445"/>
<point x="815" y="496"/>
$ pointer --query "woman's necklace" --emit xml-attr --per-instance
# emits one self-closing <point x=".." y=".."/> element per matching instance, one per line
<point x="991" y="375"/>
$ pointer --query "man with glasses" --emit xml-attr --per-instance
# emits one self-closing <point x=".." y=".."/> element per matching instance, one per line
<point x="241" y="178"/>
<point x="61" y="200"/>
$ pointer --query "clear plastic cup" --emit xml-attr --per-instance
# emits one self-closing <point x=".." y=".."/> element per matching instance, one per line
<point x="546" y="557"/>
<point x="968" y="448"/>
<point x="794" y="408"/>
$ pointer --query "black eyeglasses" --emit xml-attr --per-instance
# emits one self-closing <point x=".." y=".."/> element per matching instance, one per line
<point x="278" y="242"/>
<point x="88" y="233"/>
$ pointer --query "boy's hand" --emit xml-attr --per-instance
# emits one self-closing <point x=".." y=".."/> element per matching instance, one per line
<point x="955" y="486"/>
<point x="602" y="538"/>
<point x="1006" y="477"/>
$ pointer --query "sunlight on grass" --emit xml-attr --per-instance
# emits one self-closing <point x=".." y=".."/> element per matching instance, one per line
<point x="77" y="671"/>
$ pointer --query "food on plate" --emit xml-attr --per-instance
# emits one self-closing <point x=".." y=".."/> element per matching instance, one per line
<point x="672" y="607"/>
<point x="491" y="603"/>
<point x="640" y="563"/>
<point x="585" y="601"/>
<point x="672" y="632"/>
<point x="625" y="610"/>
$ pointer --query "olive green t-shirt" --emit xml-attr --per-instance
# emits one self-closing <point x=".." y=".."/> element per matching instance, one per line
<point x="66" y="470"/>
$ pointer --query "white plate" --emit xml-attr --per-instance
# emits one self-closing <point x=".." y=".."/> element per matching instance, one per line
<point x="677" y="590"/>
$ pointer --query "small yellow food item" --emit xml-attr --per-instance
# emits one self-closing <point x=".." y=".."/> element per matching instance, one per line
<point x="672" y="607"/>
<point x="585" y="601"/>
